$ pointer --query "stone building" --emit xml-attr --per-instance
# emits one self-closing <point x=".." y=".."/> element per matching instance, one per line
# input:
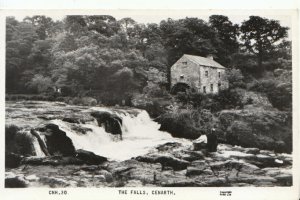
<point x="201" y="74"/>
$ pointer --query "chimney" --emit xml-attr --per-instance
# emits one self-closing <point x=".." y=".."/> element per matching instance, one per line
<point x="209" y="56"/>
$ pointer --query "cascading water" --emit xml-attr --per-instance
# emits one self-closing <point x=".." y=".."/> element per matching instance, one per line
<point x="37" y="148"/>
<point x="140" y="135"/>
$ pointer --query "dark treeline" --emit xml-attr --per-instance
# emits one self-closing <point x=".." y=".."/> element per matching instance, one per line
<point x="82" y="54"/>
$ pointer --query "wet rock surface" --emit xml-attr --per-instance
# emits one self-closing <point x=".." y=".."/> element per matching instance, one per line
<point x="111" y="122"/>
<point x="57" y="141"/>
<point x="168" y="166"/>
<point x="52" y="160"/>
<point x="15" y="181"/>
<point x="12" y="160"/>
<point x="89" y="157"/>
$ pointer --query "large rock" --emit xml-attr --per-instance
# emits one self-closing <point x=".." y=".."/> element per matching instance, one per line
<point x="263" y="129"/>
<point x="89" y="157"/>
<point x="77" y="118"/>
<point x="81" y="129"/>
<point x="18" y="141"/>
<point x="52" y="160"/>
<point x="284" y="179"/>
<point x="192" y="155"/>
<point x="71" y="120"/>
<point x="194" y="171"/>
<point x="183" y="183"/>
<point x="57" y="142"/>
<point x="54" y="182"/>
<point x="15" y="181"/>
<point x="165" y="161"/>
<point x="111" y="122"/>
<point x="12" y="160"/>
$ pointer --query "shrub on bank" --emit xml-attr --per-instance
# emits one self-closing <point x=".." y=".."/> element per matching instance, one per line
<point x="225" y="99"/>
<point x="186" y="123"/>
<point x="264" y="129"/>
<point x="279" y="94"/>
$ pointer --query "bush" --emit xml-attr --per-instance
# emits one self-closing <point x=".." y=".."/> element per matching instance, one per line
<point x="225" y="99"/>
<point x="247" y="63"/>
<point x="39" y="83"/>
<point x="263" y="86"/>
<point x="259" y="128"/>
<point x="155" y="90"/>
<point x="279" y="94"/>
<point x="193" y="98"/>
<point x="229" y="98"/>
<point x="187" y="123"/>
<point x="235" y="78"/>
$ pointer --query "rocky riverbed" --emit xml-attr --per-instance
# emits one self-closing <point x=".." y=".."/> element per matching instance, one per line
<point x="170" y="165"/>
<point x="84" y="149"/>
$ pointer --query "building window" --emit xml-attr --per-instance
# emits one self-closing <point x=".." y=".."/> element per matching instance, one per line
<point x="219" y="74"/>
<point x="182" y="76"/>
<point x="219" y="86"/>
<point x="204" y="89"/>
<point x="185" y="63"/>
<point x="206" y="73"/>
<point x="211" y="87"/>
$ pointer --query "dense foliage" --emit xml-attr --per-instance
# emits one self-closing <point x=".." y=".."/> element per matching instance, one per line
<point x="109" y="58"/>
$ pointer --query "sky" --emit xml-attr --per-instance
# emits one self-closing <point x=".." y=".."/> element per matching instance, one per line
<point x="148" y="4"/>
<point x="155" y="16"/>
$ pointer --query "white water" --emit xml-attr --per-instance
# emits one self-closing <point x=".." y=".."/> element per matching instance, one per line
<point x="140" y="135"/>
<point x="37" y="148"/>
<point x="35" y="143"/>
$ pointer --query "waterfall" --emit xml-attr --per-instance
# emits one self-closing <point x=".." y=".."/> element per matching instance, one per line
<point x="37" y="148"/>
<point x="140" y="135"/>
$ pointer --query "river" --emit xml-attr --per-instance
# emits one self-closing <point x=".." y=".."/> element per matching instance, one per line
<point x="142" y="149"/>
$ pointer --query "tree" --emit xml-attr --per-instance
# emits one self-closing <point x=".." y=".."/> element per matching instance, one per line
<point x="18" y="47"/>
<point x="127" y="23"/>
<point x="39" y="83"/>
<point x="280" y="57"/>
<point x="44" y="25"/>
<point x="75" y="24"/>
<point x="40" y="57"/>
<point x="103" y="24"/>
<point x="235" y="78"/>
<point x="123" y="81"/>
<point x="227" y="32"/>
<point x="260" y="34"/>
<point x="11" y="24"/>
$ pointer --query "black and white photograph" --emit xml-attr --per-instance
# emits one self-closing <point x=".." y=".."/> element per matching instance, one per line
<point x="126" y="100"/>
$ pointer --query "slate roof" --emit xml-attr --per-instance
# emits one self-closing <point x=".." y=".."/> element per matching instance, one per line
<point x="203" y="61"/>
